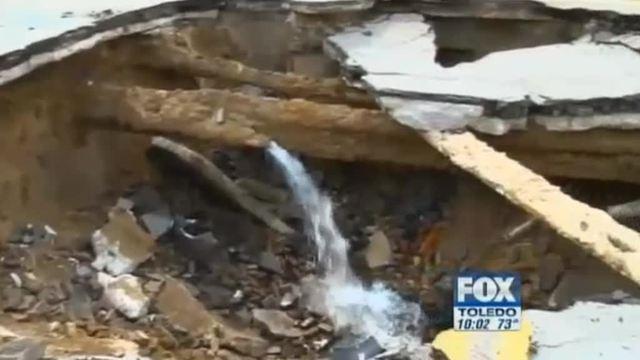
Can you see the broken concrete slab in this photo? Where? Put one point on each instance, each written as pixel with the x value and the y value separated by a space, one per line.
pixel 496 89
pixel 378 253
pixel 121 244
pixel 40 32
pixel 586 330
pixel 622 7
pixel 124 293
pixel 329 6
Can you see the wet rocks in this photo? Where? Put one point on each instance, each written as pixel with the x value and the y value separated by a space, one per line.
pixel 124 293
pixel 121 244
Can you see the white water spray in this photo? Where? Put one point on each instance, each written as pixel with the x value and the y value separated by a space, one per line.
pixel 375 311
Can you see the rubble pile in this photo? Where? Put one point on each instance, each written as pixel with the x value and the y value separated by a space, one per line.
pixel 180 271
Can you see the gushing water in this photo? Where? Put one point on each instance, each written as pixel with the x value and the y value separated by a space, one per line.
pixel 375 311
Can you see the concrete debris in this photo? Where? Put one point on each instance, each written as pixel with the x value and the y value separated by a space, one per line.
pixel 124 293
pixel 268 261
pixel 622 7
pixel 157 223
pixel 329 6
pixel 279 323
pixel 46 36
pixel 493 93
pixel 216 296
pixel 121 244
pixel 22 349
pixel 586 330
pixel 378 253
pixel 183 310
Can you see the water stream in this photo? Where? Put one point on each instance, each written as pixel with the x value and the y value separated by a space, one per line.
pixel 368 311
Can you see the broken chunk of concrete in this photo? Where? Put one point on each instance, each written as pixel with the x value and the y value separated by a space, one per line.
pixel 183 310
pixel 121 244
pixel 124 293
pixel 278 323
pixel 586 331
pixel 378 253
pixel 157 223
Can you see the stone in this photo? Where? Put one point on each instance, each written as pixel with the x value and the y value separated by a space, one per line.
pixel 22 349
pixel 278 323
pixel 550 270
pixel 121 245
pixel 586 330
pixel 157 223
pixel 490 91
pixel 79 306
pixel 12 298
pixel 124 293
pixel 183 310
pixel 379 252
pixel 268 261
pixel 215 296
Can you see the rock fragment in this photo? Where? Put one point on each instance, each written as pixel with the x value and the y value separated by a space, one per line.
pixel 278 323
pixel 363 349
pixel 183 310
pixel 121 244
pixel 125 294
pixel 379 252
